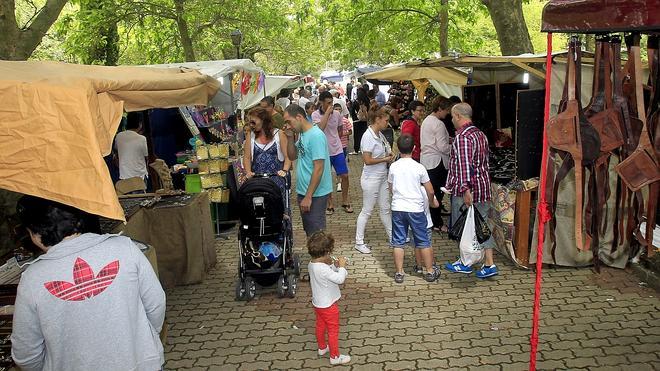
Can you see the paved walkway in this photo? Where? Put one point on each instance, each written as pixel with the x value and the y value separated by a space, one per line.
pixel 606 321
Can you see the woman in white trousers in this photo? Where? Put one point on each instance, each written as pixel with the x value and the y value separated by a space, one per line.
pixel 377 155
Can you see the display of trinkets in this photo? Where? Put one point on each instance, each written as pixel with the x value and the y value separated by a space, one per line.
pixel 214 180
pixel 502 163
pixel 219 195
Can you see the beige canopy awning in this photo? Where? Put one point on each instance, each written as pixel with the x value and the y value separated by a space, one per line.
pixel 58 120
pixel 409 71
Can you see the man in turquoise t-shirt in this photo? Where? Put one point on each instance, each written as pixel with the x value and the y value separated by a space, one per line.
pixel 314 180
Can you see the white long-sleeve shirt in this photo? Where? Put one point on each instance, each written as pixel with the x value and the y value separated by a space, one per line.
pixel 325 280
pixel 434 140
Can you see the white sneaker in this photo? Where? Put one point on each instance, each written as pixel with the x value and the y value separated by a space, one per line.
pixel 338 187
pixel 325 351
pixel 341 360
pixel 363 249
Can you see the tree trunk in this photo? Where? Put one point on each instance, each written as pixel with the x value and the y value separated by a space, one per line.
pixel 18 44
pixel 104 48
pixel 443 19
pixel 184 32
pixel 509 22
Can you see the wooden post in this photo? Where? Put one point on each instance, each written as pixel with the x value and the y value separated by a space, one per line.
pixel 521 223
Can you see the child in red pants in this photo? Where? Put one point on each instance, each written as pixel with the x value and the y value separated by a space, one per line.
pixel 325 278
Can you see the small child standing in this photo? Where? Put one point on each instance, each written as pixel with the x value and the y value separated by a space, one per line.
pixel 419 260
pixel 406 178
pixel 325 278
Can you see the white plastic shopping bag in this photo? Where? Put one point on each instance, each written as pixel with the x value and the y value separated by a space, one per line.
pixel 471 250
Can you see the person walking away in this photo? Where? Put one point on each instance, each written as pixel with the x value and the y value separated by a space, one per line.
pixel 304 97
pixel 265 149
pixel 90 302
pixel 268 103
pixel 380 97
pixel 435 153
pixel 405 178
pixel 411 126
pixel 313 176
pixel 283 100
pixel 132 150
pixel 361 107
pixel 469 181
pixel 325 276
pixel 346 132
pixel 330 122
pixel 377 155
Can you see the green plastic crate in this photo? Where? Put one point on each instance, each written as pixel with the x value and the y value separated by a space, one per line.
pixel 193 183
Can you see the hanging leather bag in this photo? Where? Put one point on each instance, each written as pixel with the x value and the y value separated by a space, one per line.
pixel 640 168
pixel 571 132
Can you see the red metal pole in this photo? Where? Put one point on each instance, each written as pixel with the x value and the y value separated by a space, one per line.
pixel 543 213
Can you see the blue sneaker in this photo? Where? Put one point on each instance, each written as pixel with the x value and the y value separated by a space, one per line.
pixel 486 272
pixel 458 268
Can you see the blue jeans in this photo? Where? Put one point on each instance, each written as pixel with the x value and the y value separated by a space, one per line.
pixel 417 222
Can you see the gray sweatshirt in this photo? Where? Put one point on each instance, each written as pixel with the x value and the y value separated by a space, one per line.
pixel 90 303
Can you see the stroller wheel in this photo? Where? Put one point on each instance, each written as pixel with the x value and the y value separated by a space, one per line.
pixel 292 283
pixel 282 287
pixel 296 265
pixel 250 288
pixel 240 290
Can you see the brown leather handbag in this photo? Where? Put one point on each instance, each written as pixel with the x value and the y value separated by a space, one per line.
pixel 641 168
pixel 571 132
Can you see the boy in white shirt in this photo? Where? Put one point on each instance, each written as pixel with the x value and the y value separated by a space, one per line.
pixel 408 211
pixel 325 276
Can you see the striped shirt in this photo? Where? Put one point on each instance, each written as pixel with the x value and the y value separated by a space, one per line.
pixel 468 164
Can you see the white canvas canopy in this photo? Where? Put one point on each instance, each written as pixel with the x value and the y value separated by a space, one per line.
pixel 272 86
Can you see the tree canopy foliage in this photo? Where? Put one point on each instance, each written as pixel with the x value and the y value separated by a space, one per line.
pixel 283 36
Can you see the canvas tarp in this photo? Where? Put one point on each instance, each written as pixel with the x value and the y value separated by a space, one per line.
pixel 58 120
pixel 272 86
pixel 410 72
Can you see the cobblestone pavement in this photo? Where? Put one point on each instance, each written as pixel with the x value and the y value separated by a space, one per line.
pixel 594 321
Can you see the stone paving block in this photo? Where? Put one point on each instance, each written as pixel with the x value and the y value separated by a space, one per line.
pixel 389 325
pixel 400 365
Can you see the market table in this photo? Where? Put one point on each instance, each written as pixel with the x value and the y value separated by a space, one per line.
pixel 179 228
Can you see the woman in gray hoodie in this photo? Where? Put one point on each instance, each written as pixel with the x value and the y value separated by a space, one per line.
pixel 90 302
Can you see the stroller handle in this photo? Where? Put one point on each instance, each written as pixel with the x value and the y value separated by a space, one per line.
pixel 287 177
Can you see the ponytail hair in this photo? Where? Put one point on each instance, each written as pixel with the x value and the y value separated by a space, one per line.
pixel 377 113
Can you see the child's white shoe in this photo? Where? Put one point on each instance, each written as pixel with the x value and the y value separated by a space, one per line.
pixel 325 351
pixel 341 360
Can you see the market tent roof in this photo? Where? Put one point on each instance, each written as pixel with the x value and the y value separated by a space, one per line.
pixel 58 120
pixel 408 71
pixel 272 86
pixel 215 69
pixel 593 16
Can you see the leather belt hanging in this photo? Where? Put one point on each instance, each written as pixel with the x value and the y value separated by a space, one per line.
pixel 571 132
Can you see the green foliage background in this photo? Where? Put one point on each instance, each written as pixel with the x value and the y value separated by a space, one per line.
pixel 289 36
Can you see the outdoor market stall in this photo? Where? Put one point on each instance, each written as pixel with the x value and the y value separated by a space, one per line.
pixel 626 159
pixel 506 94
pixel 59 120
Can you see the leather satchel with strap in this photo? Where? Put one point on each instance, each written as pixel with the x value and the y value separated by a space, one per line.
pixel 607 122
pixel 641 168
pixel 571 132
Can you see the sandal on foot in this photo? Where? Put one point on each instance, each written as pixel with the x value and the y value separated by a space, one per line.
pixel 347 208
pixel 330 211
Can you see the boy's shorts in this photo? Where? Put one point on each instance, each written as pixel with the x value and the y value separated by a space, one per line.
pixel 339 164
pixel 417 222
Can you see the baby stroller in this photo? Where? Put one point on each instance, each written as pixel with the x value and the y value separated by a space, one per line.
pixel 265 239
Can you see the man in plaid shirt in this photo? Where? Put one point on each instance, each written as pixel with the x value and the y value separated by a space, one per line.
pixel 469 181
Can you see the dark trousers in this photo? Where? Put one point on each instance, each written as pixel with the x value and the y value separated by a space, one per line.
pixel 438 176
pixel 359 128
